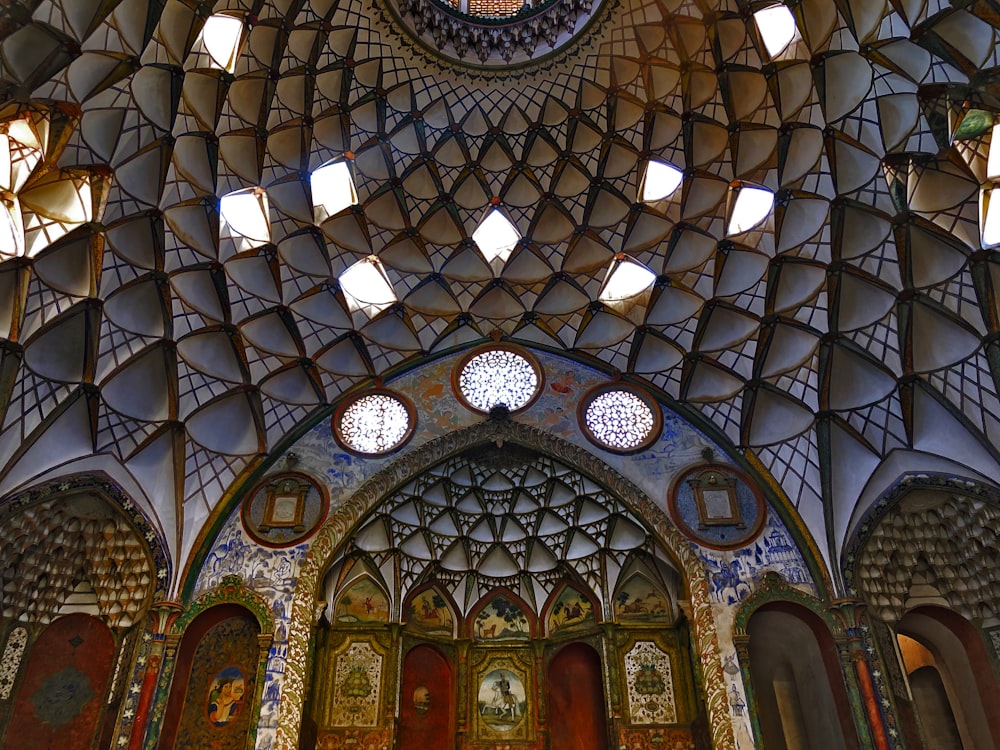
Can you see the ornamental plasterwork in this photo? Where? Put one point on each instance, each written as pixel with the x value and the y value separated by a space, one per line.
pixel 650 684
pixel 357 685
pixel 10 662
pixel 930 540
pixel 364 498
pixel 495 41
pixel 76 543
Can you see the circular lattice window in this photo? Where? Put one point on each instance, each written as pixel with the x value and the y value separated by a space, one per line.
pixel 374 422
pixel 500 376
pixel 620 418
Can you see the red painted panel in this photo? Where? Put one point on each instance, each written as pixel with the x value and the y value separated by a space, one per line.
pixel 60 701
pixel 427 701
pixel 577 716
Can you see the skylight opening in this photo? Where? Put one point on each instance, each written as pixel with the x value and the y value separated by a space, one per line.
pixel 221 37
pixel 627 278
pixel 749 208
pixel 245 218
pixel 496 236
pixel 20 152
pixel 993 161
pixel 332 190
pixel 367 287
pixel 989 211
pixel 11 230
pixel 776 26
pixel 660 181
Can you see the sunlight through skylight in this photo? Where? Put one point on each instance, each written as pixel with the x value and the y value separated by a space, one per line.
pixel 626 278
pixel 989 210
pixel 776 25
pixel 365 284
pixel 221 36
pixel 660 181
pixel 750 207
pixel 332 189
pixel 496 236
pixel 993 162
pixel 245 216
pixel 374 423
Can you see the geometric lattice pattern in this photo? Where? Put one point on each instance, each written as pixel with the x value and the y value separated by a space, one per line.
pixel 502 517
pixel 73 554
pixel 860 318
pixel 934 544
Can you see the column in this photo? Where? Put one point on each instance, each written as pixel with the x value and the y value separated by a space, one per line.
pixel 162 617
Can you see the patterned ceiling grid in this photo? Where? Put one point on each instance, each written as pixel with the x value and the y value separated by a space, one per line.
pixel 506 517
pixel 859 319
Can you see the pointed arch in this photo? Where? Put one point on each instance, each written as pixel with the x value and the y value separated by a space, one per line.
pixel 347 516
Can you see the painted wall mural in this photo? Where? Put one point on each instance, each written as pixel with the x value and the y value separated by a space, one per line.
pixel 650 682
pixel 501 619
pixel 571 611
pixel 216 714
pixel 638 600
pixel 501 701
pixel 364 602
pixel 357 685
pixel 430 613
pixel 271 573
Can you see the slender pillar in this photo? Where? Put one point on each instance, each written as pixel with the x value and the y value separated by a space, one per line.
pixel 162 617
pixel 855 659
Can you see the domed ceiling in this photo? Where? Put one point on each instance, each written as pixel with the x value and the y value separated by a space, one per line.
pixel 857 324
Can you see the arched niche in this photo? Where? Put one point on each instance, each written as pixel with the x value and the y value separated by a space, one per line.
pixel 427 705
pixel 955 692
pixel 576 702
pixel 214 696
pixel 75 548
pixel 924 562
pixel 794 670
pixel 457 531
pixel 62 697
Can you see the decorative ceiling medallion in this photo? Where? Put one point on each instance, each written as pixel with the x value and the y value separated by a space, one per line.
pixel 495 33
pixel 284 509
pixel 374 423
pixel 620 418
pixel 717 506
pixel 498 376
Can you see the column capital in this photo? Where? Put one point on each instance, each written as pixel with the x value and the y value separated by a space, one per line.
pixel 163 614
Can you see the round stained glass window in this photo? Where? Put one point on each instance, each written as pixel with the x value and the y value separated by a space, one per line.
pixel 498 376
pixel 620 419
pixel 374 422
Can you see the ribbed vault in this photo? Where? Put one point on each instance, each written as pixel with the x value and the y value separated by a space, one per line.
pixel 859 319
